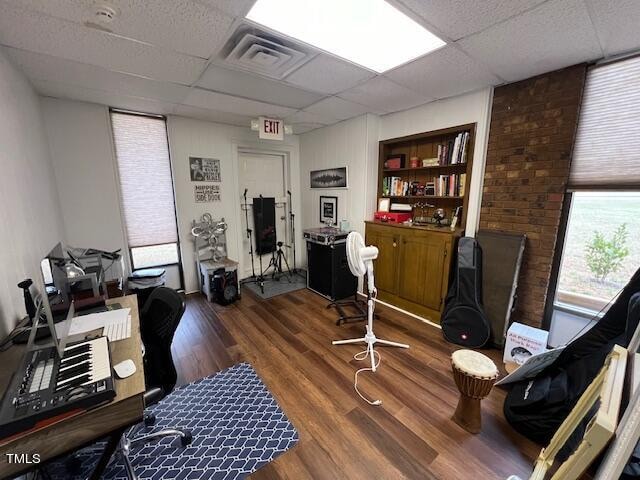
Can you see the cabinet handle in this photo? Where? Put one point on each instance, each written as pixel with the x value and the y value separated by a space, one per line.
pixel 394 244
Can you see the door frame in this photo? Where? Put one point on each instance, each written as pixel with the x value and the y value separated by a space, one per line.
pixel 286 152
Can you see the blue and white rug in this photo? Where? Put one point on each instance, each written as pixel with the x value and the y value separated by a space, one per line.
pixel 236 423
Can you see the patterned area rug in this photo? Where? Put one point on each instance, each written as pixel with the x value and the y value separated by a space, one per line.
pixel 236 423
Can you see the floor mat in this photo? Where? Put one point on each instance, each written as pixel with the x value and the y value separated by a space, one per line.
pixel 236 423
pixel 274 288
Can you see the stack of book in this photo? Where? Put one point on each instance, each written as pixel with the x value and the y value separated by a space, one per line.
pixel 454 151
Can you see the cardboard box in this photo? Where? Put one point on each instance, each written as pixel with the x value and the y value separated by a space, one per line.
pixel 523 342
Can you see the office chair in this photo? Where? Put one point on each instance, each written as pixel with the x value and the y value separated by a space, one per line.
pixel 159 320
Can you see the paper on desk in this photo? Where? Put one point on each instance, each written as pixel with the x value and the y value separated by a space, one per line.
pixel 94 321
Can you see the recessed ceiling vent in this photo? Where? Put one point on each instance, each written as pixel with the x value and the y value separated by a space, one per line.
pixel 260 52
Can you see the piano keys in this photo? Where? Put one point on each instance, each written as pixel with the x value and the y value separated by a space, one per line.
pixel 46 386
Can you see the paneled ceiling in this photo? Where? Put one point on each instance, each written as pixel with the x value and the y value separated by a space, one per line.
pixel 175 56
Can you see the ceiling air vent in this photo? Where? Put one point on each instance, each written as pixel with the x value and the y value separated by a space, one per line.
pixel 259 52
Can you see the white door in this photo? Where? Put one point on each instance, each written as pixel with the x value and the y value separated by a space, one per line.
pixel 263 174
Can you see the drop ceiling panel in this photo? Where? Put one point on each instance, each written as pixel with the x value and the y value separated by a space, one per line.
pixel 254 87
pixel 302 117
pixel 459 18
pixel 384 96
pixel 29 30
pixel 328 75
pixel 443 73
pixel 180 25
pixel 617 24
pixel 555 35
pixel 213 115
pixel 72 92
pixel 54 69
pixel 337 108
pixel 227 103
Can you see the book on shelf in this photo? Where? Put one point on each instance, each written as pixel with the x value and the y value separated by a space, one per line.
pixel 451 185
pixel 454 151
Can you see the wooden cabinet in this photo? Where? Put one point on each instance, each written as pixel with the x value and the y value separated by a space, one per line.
pixel 413 266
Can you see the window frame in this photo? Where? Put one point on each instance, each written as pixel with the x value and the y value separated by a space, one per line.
pixel 178 264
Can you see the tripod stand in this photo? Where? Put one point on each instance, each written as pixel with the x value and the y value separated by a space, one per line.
pixel 276 262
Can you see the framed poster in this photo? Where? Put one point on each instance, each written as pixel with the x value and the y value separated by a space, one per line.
pixel 204 169
pixel 329 178
pixel 329 210
pixel 207 193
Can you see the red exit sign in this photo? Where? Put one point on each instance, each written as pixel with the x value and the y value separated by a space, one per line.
pixel 271 128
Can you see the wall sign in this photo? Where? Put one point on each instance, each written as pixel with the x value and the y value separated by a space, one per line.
pixel 270 128
pixel 204 169
pixel 207 193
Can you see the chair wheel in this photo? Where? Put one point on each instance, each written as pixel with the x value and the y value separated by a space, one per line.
pixel 73 464
pixel 149 420
pixel 186 439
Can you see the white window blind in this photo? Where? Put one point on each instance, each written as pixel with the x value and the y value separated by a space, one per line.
pixel 607 150
pixel 146 186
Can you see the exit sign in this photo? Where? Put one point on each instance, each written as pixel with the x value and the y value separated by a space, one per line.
pixel 270 128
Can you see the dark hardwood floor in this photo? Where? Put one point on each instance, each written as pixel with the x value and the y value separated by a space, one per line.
pixel 288 341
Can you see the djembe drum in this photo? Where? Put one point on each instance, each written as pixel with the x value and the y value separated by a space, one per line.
pixel 474 374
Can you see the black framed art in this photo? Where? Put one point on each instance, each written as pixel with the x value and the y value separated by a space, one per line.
pixel 329 210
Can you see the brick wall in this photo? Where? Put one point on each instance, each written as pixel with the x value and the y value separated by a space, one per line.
pixel 533 124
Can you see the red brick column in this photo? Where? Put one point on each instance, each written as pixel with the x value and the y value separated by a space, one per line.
pixel 531 137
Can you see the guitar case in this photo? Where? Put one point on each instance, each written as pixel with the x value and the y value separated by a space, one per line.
pixel 463 320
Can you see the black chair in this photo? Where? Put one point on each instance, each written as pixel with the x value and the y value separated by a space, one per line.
pixel 159 319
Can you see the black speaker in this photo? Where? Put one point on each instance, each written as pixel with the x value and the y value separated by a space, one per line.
pixel 225 286
pixel 264 223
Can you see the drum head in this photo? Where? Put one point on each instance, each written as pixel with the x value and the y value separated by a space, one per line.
pixel 474 363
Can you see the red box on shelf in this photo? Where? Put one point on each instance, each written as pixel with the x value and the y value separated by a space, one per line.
pixel 392 217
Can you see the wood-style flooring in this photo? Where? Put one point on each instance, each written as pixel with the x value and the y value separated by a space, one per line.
pixel 287 339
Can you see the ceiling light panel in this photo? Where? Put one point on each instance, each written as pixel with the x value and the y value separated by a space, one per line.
pixel 370 33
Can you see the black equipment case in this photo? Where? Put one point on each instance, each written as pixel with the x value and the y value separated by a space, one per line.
pixel 536 407
pixel 463 319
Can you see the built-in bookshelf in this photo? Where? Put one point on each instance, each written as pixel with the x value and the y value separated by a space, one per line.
pixel 430 169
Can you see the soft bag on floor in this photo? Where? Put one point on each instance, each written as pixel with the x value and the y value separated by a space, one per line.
pixel 463 320
pixel 536 407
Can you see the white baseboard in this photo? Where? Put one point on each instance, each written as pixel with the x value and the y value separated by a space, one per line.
pixel 413 315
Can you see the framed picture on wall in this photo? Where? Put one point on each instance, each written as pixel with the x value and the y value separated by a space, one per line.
pixel 329 178
pixel 329 210
pixel 204 169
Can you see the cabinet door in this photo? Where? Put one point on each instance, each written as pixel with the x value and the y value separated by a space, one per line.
pixel 385 266
pixel 421 269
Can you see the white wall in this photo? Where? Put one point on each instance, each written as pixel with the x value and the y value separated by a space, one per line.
pixel 188 137
pixel 474 107
pixel 82 154
pixel 30 219
pixel 351 143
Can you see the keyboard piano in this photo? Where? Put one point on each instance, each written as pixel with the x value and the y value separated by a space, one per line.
pixel 46 386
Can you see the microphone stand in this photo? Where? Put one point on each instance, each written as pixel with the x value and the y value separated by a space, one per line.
pixel 292 219
pixel 249 233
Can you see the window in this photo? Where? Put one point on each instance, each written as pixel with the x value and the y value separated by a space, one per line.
pixel 146 188
pixel 600 250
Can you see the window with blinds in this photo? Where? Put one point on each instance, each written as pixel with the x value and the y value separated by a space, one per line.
pixel 607 149
pixel 146 188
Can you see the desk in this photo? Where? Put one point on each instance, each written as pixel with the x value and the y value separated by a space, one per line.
pixel 83 429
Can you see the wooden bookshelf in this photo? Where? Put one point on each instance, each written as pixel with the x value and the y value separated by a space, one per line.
pixel 425 145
